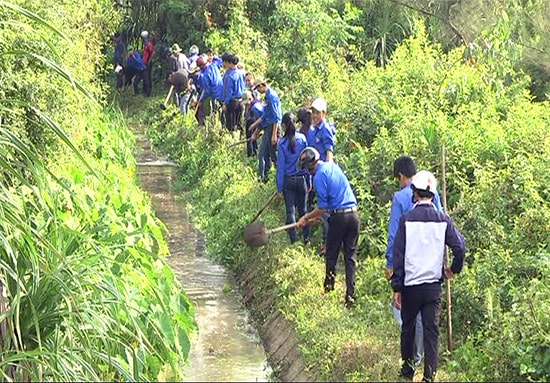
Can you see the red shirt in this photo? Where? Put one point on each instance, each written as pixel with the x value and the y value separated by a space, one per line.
pixel 148 52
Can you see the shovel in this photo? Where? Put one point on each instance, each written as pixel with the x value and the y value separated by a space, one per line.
pixel 257 235
pixel 163 105
pixel 238 143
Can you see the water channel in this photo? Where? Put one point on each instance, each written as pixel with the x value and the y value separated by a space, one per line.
pixel 227 348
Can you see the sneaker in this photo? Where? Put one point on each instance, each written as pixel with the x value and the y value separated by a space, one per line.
pixel 407 369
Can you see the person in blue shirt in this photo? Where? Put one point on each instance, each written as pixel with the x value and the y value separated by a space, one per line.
pixel 211 85
pixel 292 183
pixel 254 109
pixel 269 123
pixel 323 137
pixel 134 68
pixel 234 86
pixel 404 169
pixel 334 195
pixel 419 269
pixel 213 59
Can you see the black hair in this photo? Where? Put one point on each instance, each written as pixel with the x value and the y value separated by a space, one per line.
pixel 117 34
pixel 234 59
pixel 404 165
pixel 290 131
pixel 226 57
pixel 209 50
pixel 304 116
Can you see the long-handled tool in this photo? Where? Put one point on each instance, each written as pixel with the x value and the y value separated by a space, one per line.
pixel 257 235
pixel 239 143
pixel 265 206
pixel 163 105
pixel 446 260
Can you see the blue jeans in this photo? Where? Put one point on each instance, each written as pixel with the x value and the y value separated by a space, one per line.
pixel 419 334
pixel 267 153
pixel 295 193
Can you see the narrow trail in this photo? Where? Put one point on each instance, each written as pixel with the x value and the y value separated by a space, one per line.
pixel 227 348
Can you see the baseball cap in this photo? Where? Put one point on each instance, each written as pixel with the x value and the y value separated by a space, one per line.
pixel 319 105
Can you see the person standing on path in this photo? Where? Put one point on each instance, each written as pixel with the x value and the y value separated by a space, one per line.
pixel 292 184
pixel 119 61
pixel 254 109
pixel 148 54
pixel 404 169
pixel 233 90
pixel 335 196
pixel 269 122
pixel 134 68
pixel 418 271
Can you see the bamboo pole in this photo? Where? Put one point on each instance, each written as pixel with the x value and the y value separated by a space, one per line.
pixel 446 259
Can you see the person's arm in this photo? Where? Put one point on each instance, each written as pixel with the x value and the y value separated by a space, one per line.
pixel 328 142
pixel 256 124
pixel 455 241
pixel 274 134
pixel 398 276
pixel 395 214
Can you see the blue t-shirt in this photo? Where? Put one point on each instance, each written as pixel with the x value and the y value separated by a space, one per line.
pixel 323 139
pixel 256 110
pixel 273 113
pixel 234 84
pixel 211 82
pixel 135 61
pixel 286 160
pixel 402 202
pixel 332 187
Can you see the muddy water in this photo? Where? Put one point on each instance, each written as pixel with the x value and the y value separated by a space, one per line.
pixel 227 347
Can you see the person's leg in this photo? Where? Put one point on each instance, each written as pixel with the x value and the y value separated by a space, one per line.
pixel 289 192
pixel 262 173
pixel 300 202
pixel 268 154
pixel 411 301
pixel 419 340
pixel 335 236
pixel 350 239
pixel 147 80
pixel 430 321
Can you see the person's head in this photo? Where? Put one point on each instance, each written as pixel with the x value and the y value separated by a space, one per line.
pixel 261 85
pixel 248 98
pixel 308 160
pixel 176 50
pixel 210 54
pixel 193 50
pixel 144 35
pixel 130 49
pixel 202 60
pixel 424 186
pixel 289 127
pixel 117 37
pixel 250 79
pixel 304 117
pixel 404 169
pixel 318 110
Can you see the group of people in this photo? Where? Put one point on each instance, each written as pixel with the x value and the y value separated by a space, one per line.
pixel 131 66
pixel 301 147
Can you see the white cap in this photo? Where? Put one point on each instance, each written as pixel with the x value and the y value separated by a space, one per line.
pixel 319 104
pixel 144 34
pixel 424 180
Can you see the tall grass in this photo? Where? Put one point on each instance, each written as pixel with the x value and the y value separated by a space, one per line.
pixel 86 295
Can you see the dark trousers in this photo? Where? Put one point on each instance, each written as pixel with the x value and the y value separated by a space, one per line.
pixel 295 193
pixel 147 80
pixel 425 299
pixel 251 146
pixel 134 76
pixel 268 153
pixel 203 111
pixel 233 114
pixel 343 230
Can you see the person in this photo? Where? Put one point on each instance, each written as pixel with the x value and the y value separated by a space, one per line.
pixel 269 123
pixel 179 80
pixel 418 271
pixel 134 68
pixel 254 109
pixel 181 61
pixel 250 83
pixel 306 128
pixel 335 196
pixel 213 59
pixel 193 54
pixel 233 91
pixel 195 83
pixel 211 86
pixel 292 184
pixel 148 53
pixel 322 139
pixel 404 169
pixel 119 61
